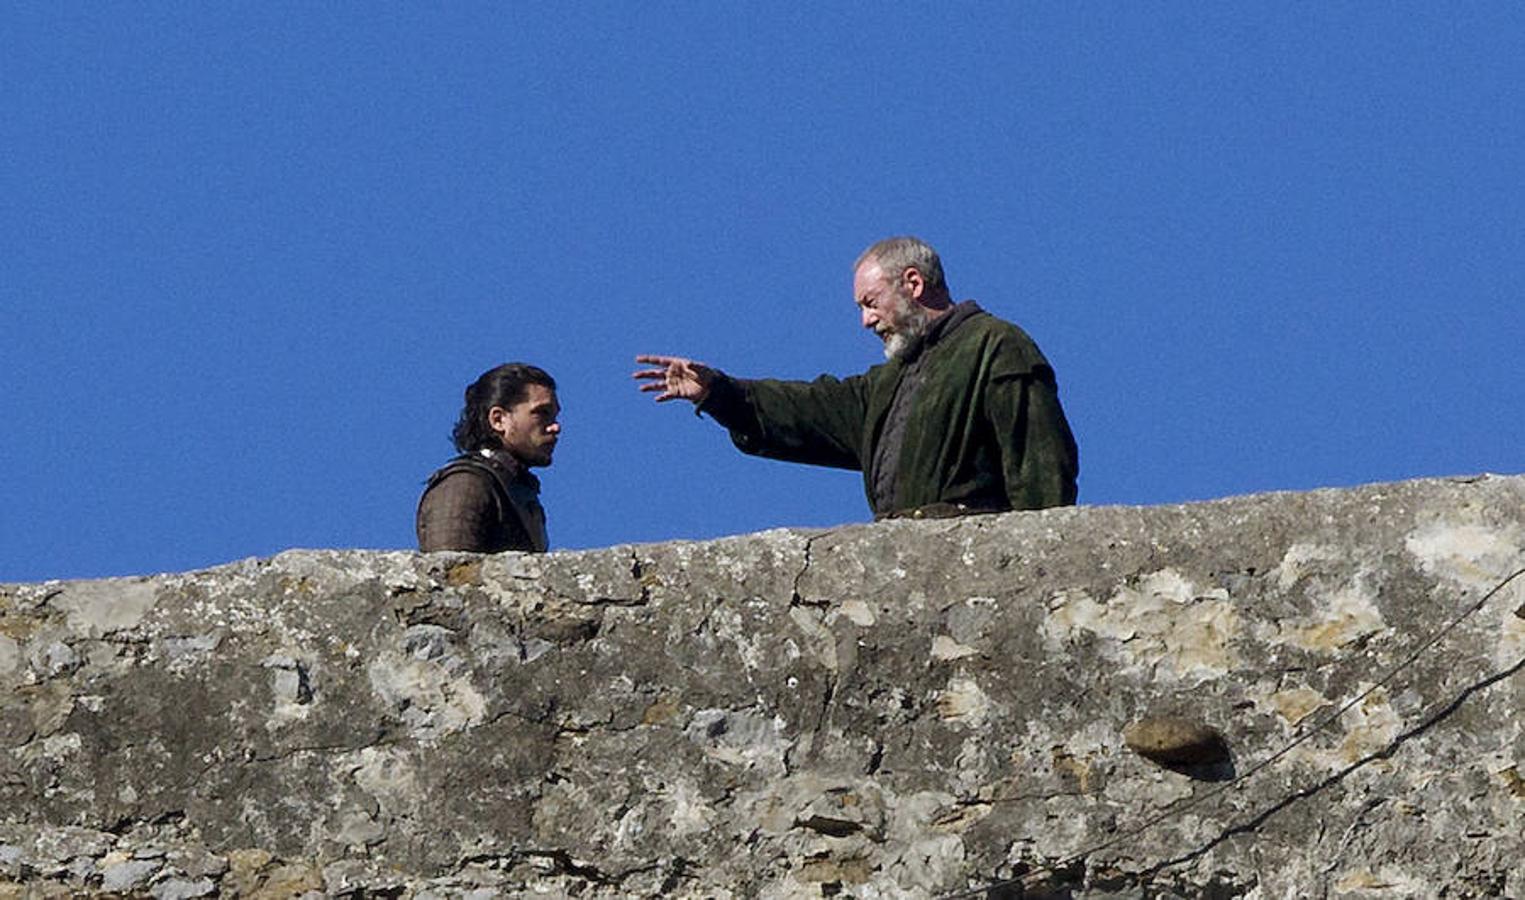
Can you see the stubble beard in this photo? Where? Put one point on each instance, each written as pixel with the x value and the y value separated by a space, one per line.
pixel 541 456
pixel 535 456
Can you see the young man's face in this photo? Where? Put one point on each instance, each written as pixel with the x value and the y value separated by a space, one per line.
pixel 529 429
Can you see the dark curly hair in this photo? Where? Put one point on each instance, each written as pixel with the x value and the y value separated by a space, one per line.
pixel 503 386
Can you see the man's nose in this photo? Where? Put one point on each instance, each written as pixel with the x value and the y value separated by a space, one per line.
pixel 870 318
pixel 553 428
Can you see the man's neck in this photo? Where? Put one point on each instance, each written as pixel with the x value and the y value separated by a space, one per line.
pixel 936 307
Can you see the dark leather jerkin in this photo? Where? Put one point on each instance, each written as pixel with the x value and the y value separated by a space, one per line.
pixel 516 526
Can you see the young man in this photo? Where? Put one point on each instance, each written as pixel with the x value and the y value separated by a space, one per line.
pixel 486 500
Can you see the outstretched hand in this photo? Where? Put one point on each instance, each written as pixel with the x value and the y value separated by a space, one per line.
pixel 676 378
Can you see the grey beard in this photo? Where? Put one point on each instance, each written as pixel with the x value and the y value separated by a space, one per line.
pixel 909 326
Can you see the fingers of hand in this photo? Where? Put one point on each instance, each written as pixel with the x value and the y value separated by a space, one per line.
pixel 676 379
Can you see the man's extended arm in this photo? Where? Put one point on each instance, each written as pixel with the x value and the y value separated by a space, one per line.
pixel 818 422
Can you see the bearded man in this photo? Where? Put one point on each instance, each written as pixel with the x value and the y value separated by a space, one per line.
pixel 963 417
pixel 486 500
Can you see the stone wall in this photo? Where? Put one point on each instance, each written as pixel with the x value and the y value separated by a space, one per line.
pixel 1327 684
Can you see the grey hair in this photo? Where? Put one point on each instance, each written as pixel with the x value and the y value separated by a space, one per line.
pixel 895 255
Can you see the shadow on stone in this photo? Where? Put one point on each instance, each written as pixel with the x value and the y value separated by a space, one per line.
pixel 1186 746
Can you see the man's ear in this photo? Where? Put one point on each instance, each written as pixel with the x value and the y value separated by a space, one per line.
pixel 497 419
pixel 912 282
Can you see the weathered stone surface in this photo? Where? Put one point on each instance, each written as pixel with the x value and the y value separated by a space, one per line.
pixel 900 709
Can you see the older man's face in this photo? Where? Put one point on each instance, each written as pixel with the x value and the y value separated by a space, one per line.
pixel 887 308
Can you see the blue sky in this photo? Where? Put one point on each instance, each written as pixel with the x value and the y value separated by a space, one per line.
pixel 250 254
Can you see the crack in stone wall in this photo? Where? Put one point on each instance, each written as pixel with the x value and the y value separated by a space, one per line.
pixel 898 709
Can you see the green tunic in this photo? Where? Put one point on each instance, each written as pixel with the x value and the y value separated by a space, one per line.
pixel 984 430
